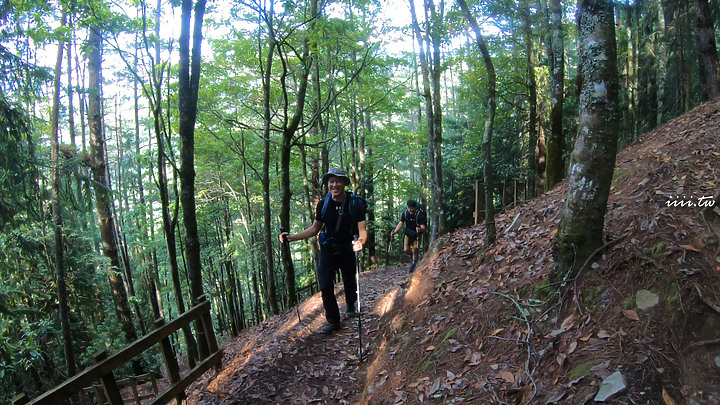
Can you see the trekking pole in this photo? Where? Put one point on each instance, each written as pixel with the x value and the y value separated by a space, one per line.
pixel 359 308
pixel 286 248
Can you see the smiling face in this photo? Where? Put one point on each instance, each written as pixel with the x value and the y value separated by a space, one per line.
pixel 336 185
pixel 411 209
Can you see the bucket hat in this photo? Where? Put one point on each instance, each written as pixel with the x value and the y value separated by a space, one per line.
pixel 335 172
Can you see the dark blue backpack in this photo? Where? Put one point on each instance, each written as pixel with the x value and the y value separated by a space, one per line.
pixel 358 205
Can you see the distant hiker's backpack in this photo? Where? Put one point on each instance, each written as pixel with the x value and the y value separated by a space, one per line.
pixel 419 216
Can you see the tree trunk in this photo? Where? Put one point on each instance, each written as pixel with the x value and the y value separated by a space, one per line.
pixel 103 203
pixel 490 229
pixel 532 101
pixel 188 86
pixel 436 30
pixel 269 285
pixel 432 211
pixel 593 160
pixel 661 62
pixel 555 168
pixel 290 127
pixel 60 270
pixel 705 33
pixel 169 220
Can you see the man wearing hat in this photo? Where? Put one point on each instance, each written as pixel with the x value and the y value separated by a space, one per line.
pixel 340 222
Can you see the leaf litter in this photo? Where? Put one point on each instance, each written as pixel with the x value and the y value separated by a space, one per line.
pixel 479 325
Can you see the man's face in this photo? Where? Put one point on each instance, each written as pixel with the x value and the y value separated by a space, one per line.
pixel 412 209
pixel 336 185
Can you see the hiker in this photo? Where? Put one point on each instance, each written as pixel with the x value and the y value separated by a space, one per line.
pixel 415 222
pixel 342 215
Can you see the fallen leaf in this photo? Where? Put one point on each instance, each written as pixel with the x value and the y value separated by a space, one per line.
pixel 691 248
pixel 382 381
pixel 430 348
pixel 508 377
pixel 603 334
pixel 568 322
pixel 630 314
pixel 572 347
pixel 667 398
pixel 496 331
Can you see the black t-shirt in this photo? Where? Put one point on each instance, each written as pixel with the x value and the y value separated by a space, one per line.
pixel 348 225
pixel 413 220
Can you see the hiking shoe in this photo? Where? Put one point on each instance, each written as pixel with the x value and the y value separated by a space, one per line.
pixel 330 328
pixel 412 267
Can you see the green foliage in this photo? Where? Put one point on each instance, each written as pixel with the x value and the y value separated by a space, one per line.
pixel 379 106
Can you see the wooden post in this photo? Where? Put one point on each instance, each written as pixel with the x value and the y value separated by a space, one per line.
pixel 112 392
pixel 479 201
pixel 209 334
pixel 171 363
pixel 153 382
pixel 133 387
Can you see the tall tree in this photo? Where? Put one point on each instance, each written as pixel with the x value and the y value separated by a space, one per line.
pixel 103 202
pixel 266 73
pixel 532 100
pixel 593 160
pixel 555 167
pixel 60 270
pixel 435 28
pixel 427 96
pixel 188 85
pixel 291 123
pixel 490 229
pixel 661 61
pixel 169 219
pixel 705 33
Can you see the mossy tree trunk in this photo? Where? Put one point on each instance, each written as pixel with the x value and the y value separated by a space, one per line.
pixel 593 160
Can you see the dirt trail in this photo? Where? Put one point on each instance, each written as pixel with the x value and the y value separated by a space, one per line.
pixel 478 325
pixel 283 361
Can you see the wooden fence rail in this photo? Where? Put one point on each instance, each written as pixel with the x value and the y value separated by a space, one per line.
pixel 103 370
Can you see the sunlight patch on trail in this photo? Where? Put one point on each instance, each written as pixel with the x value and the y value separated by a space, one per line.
pixel 386 303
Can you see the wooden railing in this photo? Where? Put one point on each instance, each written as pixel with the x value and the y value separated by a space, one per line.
pixel 103 370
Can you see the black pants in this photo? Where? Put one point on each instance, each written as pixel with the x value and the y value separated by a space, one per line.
pixel 330 262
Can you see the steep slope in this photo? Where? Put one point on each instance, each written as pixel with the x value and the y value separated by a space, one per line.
pixel 478 325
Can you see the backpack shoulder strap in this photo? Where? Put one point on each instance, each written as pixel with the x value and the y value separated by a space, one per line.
pixel 325 206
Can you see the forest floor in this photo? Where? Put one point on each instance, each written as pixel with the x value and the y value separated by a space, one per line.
pixel 478 325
